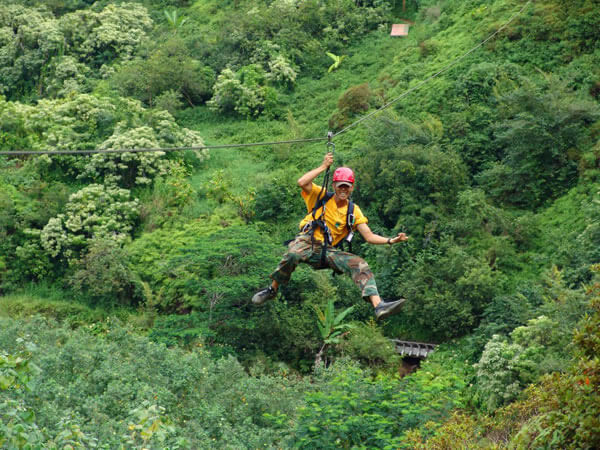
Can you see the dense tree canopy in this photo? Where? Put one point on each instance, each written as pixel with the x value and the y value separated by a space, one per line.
pixel 126 278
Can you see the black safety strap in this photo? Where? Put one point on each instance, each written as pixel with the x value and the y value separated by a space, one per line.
pixel 319 222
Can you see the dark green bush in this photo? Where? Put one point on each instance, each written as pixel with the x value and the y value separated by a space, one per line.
pixel 542 135
pixel 355 100
pixel 367 344
pixel 448 290
pixel 168 66
pixel 351 408
pixel 103 273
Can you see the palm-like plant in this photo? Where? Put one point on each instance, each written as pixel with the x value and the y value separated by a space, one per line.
pixel 331 327
pixel 175 20
pixel 337 60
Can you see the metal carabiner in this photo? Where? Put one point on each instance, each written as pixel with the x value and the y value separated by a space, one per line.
pixel 330 142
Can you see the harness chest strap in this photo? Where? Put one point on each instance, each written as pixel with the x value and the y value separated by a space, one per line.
pixel 320 223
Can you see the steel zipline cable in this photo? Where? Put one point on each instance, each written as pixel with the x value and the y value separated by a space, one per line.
pixel 330 136
pixel 157 149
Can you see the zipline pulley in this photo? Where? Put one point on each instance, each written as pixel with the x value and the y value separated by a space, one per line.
pixel 330 142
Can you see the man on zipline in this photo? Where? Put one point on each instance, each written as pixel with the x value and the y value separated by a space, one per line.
pixel 318 233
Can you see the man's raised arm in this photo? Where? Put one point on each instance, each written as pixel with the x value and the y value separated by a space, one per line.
pixel 306 180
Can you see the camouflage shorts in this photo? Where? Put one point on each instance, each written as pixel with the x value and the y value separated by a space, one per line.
pixel 302 250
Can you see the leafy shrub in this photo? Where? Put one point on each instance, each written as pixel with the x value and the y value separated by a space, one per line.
pixel 542 135
pixel 103 273
pixel 17 426
pixel 86 121
pixel 505 313
pixel 128 168
pixel 560 410
pixel 170 101
pixel 277 197
pixel 281 71
pixel 94 212
pixel 353 409
pixel 506 368
pixel 350 409
pixel 28 39
pixel 367 344
pixel 355 100
pixel 243 92
pixel 169 66
pixel 100 37
pixel 22 255
pixel 66 76
pixel 140 168
pixel 302 32
pixel 576 217
pixel 423 175
pixel 220 188
pixel 498 373
pixel 200 263
pixel 168 199
pixel 53 50
pixel 448 290
pixel 181 330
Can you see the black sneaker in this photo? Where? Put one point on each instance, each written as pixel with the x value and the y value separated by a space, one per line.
pixel 386 309
pixel 263 295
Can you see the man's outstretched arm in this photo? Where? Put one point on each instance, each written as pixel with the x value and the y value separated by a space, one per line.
pixel 376 239
pixel 306 180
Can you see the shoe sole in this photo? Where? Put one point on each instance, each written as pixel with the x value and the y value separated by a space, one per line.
pixel 259 301
pixel 392 311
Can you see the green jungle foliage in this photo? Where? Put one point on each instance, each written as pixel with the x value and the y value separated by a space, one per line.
pixel 126 278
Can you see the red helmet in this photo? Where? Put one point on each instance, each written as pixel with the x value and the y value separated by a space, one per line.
pixel 343 174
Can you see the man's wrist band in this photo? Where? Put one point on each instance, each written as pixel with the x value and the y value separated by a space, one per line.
pixel 389 241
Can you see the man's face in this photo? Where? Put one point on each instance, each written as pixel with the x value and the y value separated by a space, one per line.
pixel 343 189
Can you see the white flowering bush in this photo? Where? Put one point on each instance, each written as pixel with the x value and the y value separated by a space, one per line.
pixel 497 373
pixel 34 41
pixel 281 71
pixel 128 167
pixel 66 76
pixel 86 121
pixel 28 39
pixel 115 32
pixel 94 212
pixel 140 168
pixel 227 92
pixel 72 123
pixel 506 368
pixel 244 92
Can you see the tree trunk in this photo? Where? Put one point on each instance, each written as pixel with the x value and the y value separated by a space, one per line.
pixel 319 356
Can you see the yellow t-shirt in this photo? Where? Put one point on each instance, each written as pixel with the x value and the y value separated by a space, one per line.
pixel 335 217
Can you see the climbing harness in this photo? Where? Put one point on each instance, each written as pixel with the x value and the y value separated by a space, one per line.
pixel 350 219
pixel 319 222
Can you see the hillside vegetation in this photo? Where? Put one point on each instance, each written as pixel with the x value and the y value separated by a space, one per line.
pixel 126 278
